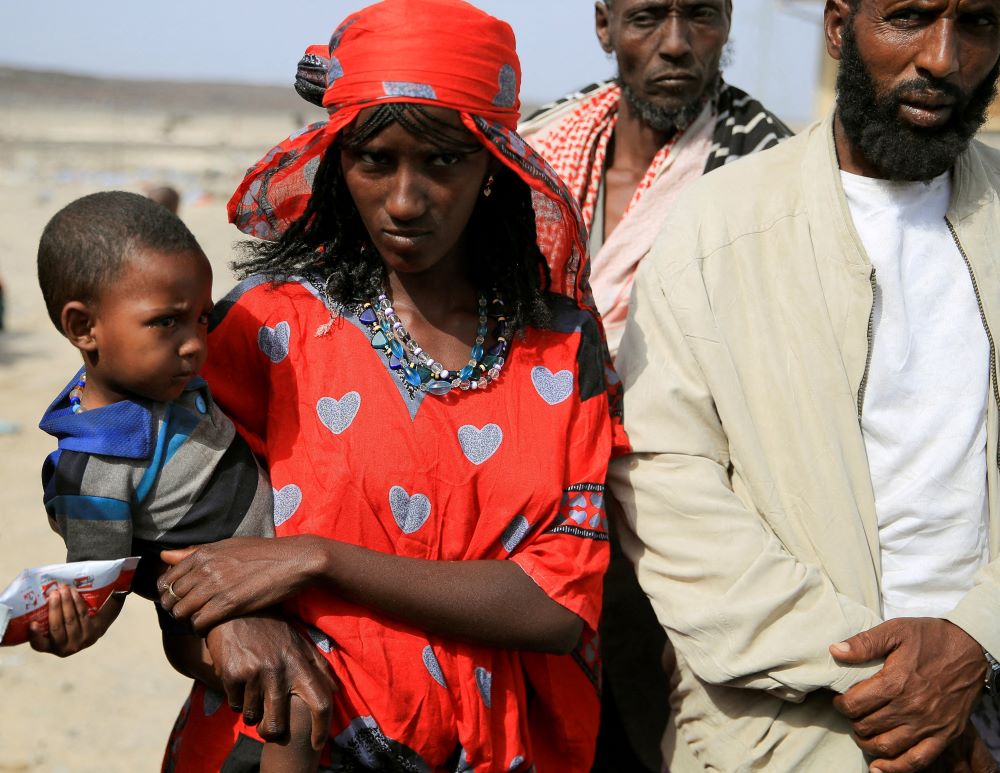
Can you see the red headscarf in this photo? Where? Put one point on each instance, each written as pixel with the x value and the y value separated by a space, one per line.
pixel 443 53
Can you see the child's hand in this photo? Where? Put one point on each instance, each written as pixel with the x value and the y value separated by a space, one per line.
pixel 73 626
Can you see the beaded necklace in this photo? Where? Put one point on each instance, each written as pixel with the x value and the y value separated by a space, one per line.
pixel 76 394
pixel 416 369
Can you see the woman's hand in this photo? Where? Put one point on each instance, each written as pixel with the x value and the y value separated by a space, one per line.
pixel 73 626
pixel 227 579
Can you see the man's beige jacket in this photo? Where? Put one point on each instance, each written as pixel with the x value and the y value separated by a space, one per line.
pixel 748 496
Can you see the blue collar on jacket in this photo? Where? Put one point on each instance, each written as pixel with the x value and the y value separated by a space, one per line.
pixel 126 428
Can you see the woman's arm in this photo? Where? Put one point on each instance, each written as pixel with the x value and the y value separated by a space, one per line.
pixel 488 602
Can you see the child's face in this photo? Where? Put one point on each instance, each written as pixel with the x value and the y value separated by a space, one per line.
pixel 150 328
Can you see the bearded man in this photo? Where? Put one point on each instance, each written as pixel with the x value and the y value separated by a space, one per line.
pixel 813 502
pixel 627 147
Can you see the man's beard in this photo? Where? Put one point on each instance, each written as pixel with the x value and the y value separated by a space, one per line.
pixel 671 120
pixel 899 150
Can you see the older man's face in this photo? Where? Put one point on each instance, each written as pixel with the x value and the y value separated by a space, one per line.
pixel 668 51
pixel 916 78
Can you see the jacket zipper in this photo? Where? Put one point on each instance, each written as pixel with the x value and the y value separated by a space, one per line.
pixel 868 355
pixel 982 316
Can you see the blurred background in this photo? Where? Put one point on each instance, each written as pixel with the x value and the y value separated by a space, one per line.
pixel 129 95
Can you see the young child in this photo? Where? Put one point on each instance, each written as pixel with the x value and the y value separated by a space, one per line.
pixel 145 461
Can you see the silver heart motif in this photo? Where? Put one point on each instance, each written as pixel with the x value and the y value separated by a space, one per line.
pixel 410 512
pixel 212 701
pixel 515 763
pixel 515 532
pixel 484 681
pixel 273 341
pixel 507 81
pixel 323 642
pixel 432 666
pixel 478 445
pixel 553 388
pixel 338 415
pixel 286 501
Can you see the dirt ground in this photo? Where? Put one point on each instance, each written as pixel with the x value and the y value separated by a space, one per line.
pixel 109 708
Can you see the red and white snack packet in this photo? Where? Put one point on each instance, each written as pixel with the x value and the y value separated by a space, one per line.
pixel 24 601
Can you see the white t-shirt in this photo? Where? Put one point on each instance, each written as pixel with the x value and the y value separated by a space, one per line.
pixel 924 411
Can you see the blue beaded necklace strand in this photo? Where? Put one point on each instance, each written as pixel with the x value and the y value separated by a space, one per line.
pixel 420 372
pixel 76 394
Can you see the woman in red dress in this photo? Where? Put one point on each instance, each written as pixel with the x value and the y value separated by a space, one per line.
pixel 415 356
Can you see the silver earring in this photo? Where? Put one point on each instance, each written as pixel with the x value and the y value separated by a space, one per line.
pixel 488 190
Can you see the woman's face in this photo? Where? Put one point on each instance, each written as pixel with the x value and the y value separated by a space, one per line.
pixel 415 198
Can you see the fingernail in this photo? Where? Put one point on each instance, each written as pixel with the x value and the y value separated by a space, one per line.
pixel 844 647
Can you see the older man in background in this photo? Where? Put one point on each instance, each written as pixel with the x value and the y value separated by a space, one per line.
pixel 810 371
pixel 627 148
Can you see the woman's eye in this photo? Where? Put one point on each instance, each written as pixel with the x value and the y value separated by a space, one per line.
pixel 372 157
pixel 445 159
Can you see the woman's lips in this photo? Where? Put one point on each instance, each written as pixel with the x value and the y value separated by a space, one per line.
pixel 404 238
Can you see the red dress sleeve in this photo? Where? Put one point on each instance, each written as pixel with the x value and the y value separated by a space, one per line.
pixel 251 333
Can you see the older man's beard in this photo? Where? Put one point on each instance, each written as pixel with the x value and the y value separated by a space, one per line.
pixel 671 120
pixel 899 150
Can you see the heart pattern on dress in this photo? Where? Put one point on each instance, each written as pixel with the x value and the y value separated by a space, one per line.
pixel 286 501
pixel 338 415
pixel 323 642
pixel 212 701
pixel 515 532
pixel 432 666
pixel 410 512
pixel 478 445
pixel 484 681
pixel 273 341
pixel 507 83
pixel 553 388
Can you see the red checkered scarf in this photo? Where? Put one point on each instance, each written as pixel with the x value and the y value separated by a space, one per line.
pixel 577 148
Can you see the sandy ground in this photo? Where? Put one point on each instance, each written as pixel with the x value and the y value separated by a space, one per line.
pixel 109 708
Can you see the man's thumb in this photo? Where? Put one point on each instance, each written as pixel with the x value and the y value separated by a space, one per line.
pixel 868 645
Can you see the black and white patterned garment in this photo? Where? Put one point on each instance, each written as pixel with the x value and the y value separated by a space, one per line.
pixel 742 126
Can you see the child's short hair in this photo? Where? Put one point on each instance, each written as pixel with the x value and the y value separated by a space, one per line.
pixel 86 243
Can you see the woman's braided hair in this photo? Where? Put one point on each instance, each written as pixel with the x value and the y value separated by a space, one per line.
pixel 329 241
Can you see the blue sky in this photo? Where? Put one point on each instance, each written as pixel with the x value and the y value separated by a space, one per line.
pixel 776 50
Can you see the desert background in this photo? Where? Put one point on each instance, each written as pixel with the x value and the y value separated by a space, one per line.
pixel 111 707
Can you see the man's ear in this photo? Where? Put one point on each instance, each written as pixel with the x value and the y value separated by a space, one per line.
pixel 77 320
pixel 836 14
pixel 602 25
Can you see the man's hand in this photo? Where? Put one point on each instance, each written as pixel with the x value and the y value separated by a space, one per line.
pixel 261 661
pixel 919 703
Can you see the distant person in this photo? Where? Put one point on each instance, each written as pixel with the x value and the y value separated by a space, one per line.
pixel 627 148
pixel 165 196
pixel 146 460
